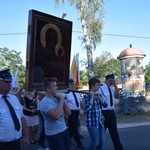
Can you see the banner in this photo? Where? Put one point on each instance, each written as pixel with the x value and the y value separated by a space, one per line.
pixel 74 71
pixel 73 68
pixel 15 79
pixel 77 71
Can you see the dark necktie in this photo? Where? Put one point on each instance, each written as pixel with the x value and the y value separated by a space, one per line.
pixel 13 114
pixel 77 104
pixel 110 94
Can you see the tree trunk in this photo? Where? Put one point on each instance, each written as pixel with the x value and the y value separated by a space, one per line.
pixel 88 50
pixel 87 42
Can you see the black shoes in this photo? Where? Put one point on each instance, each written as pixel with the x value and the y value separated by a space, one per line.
pixel 81 136
pixel 81 147
pixel 71 143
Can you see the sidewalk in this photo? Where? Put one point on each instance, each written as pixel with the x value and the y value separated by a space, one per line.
pixel 134 124
pixel 124 125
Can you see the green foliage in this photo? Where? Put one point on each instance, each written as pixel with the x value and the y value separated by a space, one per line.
pixel 57 1
pixel 113 66
pixel 21 77
pixel 10 59
pixel 147 73
pixel 91 14
pixel 83 78
pixel 99 64
pixel 84 63
pixel 106 64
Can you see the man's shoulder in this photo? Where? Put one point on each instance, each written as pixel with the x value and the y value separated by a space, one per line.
pixel 12 96
pixel 43 103
pixel 78 94
pixel 102 88
pixel 102 85
pixel 69 95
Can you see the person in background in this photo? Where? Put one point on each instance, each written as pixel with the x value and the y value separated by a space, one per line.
pixel 93 116
pixel 74 101
pixel 12 121
pixel 108 90
pixel 41 129
pixel 31 116
pixel 16 91
pixel 53 108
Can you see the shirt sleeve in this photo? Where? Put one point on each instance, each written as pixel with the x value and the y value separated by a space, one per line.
pixel 79 97
pixel 99 91
pixel 88 105
pixel 45 106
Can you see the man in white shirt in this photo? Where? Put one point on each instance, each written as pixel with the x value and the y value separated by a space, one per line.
pixel 74 101
pixel 12 121
pixel 109 91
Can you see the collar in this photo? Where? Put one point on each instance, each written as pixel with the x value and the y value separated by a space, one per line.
pixel 2 95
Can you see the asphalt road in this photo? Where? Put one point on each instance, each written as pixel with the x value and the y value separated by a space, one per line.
pixel 132 138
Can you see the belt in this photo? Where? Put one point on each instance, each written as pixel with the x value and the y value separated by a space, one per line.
pixel 108 110
pixel 11 142
pixel 74 110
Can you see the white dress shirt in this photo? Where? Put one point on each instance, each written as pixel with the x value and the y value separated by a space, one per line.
pixel 104 92
pixel 71 101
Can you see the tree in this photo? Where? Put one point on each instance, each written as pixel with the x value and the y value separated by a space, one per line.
pixel 91 13
pixel 10 59
pixel 147 73
pixel 83 78
pixel 106 64
pixel 99 64
pixel 113 66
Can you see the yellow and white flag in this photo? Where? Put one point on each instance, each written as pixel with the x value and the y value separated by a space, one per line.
pixel 73 68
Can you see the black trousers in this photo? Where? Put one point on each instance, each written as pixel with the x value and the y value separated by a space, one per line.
pixel 42 135
pixel 73 126
pixel 13 145
pixel 111 124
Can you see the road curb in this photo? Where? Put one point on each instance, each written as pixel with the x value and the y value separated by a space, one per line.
pixel 123 125
pixel 127 125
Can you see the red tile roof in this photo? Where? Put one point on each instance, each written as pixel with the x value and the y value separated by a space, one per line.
pixel 131 52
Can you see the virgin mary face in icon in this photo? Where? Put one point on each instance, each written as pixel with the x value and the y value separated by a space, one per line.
pixel 53 52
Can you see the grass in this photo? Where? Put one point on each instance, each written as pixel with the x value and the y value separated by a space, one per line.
pixel 128 118
pixel 123 118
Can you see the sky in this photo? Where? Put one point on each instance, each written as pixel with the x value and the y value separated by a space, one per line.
pixel 125 22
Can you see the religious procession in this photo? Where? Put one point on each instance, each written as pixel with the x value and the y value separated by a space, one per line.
pixel 47 114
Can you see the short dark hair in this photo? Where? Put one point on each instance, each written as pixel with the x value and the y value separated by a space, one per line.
pixel 47 81
pixel 71 81
pixel 93 81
